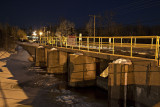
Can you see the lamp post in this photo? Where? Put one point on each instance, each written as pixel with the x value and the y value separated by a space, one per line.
pixel 40 33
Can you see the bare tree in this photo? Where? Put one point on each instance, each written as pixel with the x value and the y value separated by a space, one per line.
pixel 21 34
pixel 89 28
pixel 65 28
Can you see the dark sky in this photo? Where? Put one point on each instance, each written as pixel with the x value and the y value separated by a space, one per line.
pixel 40 12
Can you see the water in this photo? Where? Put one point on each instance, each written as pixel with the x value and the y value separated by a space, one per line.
pixel 51 90
pixel 54 90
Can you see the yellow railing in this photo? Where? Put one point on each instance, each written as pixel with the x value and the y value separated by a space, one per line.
pixel 87 43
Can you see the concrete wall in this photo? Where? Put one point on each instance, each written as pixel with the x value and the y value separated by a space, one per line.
pixel 81 69
pixel 57 62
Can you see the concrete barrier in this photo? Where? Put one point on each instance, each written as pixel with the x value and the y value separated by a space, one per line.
pixel 41 57
pixel 57 62
pixel 81 70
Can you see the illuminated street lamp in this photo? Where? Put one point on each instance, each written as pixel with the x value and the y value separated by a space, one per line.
pixel 40 33
pixel 34 33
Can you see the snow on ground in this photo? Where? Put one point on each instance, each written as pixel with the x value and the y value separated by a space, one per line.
pixel 9 96
pixel 21 85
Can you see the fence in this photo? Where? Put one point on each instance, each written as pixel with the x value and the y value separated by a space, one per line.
pixel 102 44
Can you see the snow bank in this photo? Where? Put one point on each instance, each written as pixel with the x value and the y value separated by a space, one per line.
pixel 122 61
pixel 53 49
pixel 40 47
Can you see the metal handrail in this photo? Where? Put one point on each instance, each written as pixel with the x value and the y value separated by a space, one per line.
pixel 100 42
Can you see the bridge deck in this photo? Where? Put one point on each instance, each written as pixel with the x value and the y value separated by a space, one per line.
pixel 132 47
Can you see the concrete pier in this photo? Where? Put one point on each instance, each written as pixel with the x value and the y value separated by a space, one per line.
pixel 81 70
pixel 41 57
pixel 118 81
pixel 57 61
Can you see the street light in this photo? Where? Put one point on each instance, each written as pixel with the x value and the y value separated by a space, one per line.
pixel 40 33
pixel 34 33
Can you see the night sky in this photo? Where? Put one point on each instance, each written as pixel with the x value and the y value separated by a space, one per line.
pixel 41 12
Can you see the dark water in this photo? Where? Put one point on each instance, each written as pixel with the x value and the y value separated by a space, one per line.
pixel 53 91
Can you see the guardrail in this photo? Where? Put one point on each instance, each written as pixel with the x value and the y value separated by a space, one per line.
pixel 102 43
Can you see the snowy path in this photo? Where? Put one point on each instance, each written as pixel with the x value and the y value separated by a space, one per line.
pixel 9 96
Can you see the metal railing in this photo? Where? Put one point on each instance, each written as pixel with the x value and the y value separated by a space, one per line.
pixel 112 43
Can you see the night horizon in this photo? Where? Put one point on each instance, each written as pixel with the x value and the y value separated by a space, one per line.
pixel 40 13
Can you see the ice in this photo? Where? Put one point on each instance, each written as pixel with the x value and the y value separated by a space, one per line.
pixel 69 99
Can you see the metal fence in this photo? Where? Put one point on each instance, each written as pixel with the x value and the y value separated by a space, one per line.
pixel 102 43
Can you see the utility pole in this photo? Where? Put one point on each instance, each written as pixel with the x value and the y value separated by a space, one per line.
pixel 94 16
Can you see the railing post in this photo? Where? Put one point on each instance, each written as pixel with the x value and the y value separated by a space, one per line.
pixel 40 40
pixel 152 43
pixel 61 41
pixel 52 41
pixel 113 46
pixel 66 42
pixel 131 46
pixel 46 41
pixel 76 40
pixel 121 42
pixel 99 45
pixel 88 43
pixel 79 44
pixel 135 41
pixel 56 41
pixel 157 48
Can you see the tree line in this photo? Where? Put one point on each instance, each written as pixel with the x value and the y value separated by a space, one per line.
pixel 106 26
pixel 9 36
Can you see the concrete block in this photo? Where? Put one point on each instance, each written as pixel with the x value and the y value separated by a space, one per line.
pixel 41 57
pixel 81 68
pixel 57 62
pixel 154 78
pixel 118 74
